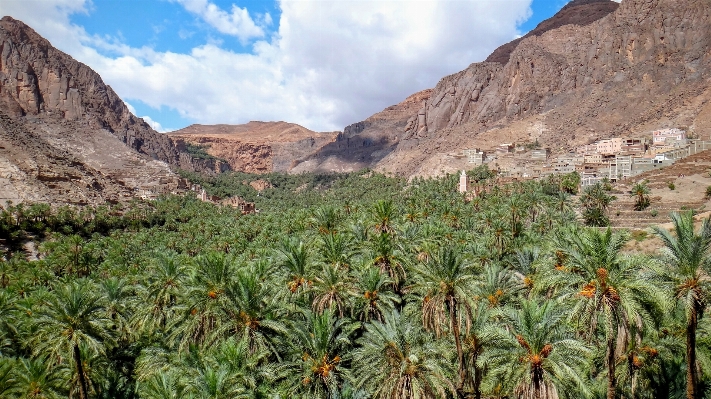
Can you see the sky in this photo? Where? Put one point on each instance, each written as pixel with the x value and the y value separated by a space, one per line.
pixel 323 64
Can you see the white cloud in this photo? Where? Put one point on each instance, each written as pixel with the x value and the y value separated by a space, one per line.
pixel 236 23
pixel 331 63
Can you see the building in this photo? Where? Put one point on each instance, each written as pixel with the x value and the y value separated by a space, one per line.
pixel 541 154
pixel 660 137
pixel 240 203
pixel 505 148
pixel 593 158
pixel 475 156
pixel 587 149
pixel 633 146
pixel 609 146
pixel 463 182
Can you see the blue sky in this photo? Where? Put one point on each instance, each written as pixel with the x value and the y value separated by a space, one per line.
pixel 323 64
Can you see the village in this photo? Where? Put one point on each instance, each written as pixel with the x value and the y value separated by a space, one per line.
pixel 614 159
pixel 184 186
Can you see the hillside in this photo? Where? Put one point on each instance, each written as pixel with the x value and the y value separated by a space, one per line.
pixel 597 69
pixel 257 147
pixel 66 137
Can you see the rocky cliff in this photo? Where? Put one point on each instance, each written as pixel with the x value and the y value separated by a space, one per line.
pixel 37 79
pixel 66 137
pixel 596 69
pixel 254 147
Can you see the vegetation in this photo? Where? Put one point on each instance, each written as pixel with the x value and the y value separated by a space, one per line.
pixel 352 286
pixel 640 192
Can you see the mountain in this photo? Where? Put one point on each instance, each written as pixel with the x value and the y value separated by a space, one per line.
pixel 255 147
pixel 66 137
pixel 596 69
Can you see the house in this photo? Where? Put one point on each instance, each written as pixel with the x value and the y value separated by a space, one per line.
pixel 475 156
pixel 609 146
pixel 541 154
pixel 660 137
pixel 239 203
pixel 505 148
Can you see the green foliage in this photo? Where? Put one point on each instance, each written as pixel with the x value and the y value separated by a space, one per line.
pixel 199 151
pixel 671 185
pixel 595 202
pixel 640 192
pixel 348 286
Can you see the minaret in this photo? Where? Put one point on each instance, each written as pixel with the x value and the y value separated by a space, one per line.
pixel 463 182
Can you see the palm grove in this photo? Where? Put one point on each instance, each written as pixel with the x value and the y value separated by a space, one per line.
pixel 352 286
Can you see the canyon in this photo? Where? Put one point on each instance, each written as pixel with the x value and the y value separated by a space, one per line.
pixel 596 69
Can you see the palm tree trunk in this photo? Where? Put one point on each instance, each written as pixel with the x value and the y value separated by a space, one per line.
pixel 611 378
pixel 83 386
pixel 478 375
pixel 457 341
pixel 692 377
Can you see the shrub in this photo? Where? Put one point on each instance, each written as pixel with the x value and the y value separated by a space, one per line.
pixel 671 185
pixel 708 192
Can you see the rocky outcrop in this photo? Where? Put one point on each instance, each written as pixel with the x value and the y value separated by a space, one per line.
pixel 38 80
pixel 596 69
pixel 254 147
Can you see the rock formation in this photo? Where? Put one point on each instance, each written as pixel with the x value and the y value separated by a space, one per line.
pixel 66 137
pixel 255 147
pixel 596 69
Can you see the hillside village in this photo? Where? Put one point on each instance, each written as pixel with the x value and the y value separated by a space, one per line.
pixel 614 159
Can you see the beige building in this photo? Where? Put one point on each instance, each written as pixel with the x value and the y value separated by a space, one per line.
pixel 609 146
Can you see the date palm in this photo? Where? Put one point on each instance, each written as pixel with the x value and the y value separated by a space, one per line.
pixel 374 295
pixel 160 293
pixel 295 258
pixel 36 378
pixel 640 192
pixel 320 354
pixel 687 262
pixel 604 287
pixel 204 299
pixel 75 316
pixel 537 356
pixel 444 284
pixel 331 289
pixel 397 359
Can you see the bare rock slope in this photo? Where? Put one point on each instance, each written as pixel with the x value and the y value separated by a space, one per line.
pixel 596 69
pixel 65 136
pixel 255 147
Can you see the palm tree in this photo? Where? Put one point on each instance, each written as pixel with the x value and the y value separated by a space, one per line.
pixel 383 213
pixel 374 294
pixel 204 299
pixel 295 257
pixel 331 289
pixel 161 293
pixel 320 352
pixel 595 202
pixel 536 356
pixel 603 286
pixel 397 359
pixel 37 378
pixel 336 249
pixel 444 284
pixel 74 316
pixel 687 261
pixel 640 192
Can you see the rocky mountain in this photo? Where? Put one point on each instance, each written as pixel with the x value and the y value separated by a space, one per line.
pixel 255 147
pixel 65 136
pixel 596 69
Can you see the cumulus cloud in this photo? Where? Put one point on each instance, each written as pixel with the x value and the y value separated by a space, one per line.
pixel 236 23
pixel 329 64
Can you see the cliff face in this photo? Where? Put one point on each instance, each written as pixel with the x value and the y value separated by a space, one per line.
pixel 596 69
pixel 66 137
pixel 254 147
pixel 37 79
pixel 650 43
